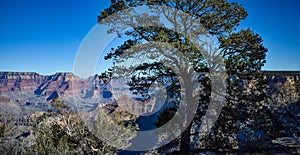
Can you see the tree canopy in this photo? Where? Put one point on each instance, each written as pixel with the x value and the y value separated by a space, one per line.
pixel 242 51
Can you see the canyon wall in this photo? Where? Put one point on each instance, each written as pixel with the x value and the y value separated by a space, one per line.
pixel 32 89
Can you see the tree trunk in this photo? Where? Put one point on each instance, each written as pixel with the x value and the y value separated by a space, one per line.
pixel 186 134
pixel 185 141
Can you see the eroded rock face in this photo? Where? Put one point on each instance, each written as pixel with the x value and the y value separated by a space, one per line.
pixel 29 88
pixel 59 82
pixel 42 85
pixel 19 81
pixel 284 84
pixel 282 77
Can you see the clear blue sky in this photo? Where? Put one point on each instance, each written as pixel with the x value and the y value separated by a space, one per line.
pixel 43 35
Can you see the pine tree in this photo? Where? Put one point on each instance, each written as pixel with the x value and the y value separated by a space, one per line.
pixel 243 52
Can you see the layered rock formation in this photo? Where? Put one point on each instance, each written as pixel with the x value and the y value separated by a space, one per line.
pixel 285 85
pixel 19 81
pixel 29 88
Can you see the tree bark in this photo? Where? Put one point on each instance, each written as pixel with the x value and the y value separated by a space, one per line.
pixel 185 141
pixel 186 134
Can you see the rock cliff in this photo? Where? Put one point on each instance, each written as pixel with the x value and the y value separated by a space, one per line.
pixel 32 89
pixel 28 88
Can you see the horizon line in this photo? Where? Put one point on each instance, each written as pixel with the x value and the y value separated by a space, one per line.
pixel 70 72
